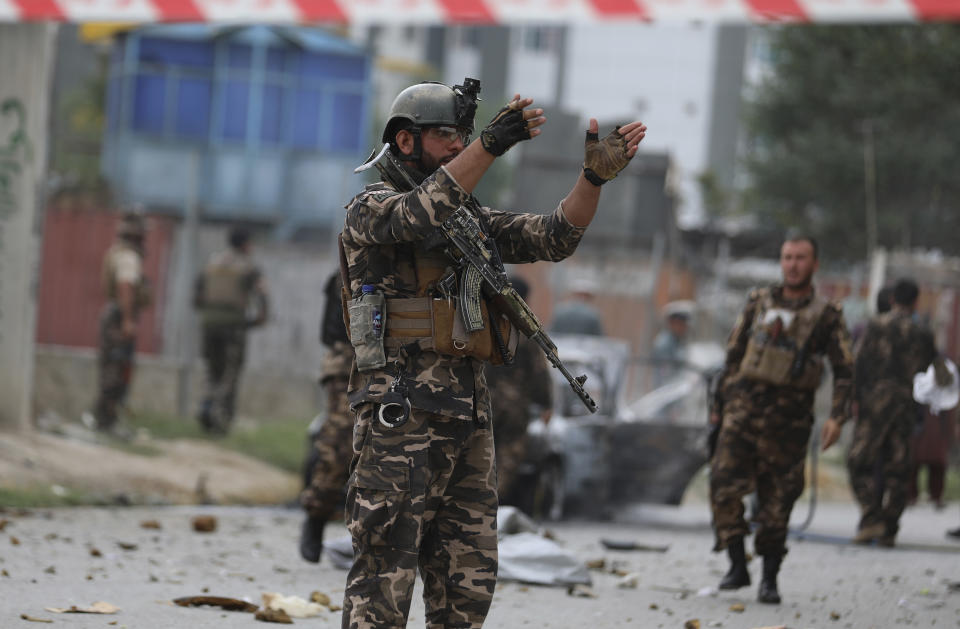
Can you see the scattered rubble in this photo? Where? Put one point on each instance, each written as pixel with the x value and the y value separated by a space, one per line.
pixel 204 524
pixel 273 615
pixel 99 607
pixel 293 606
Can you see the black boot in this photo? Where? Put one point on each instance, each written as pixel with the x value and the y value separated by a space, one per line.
pixel 737 577
pixel 768 585
pixel 311 539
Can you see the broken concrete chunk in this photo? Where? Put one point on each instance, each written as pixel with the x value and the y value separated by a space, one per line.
pixel 273 615
pixel 319 598
pixel 738 607
pixel 150 524
pixel 294 606
pixel 692 624
pixel 596 564
pixel 581 591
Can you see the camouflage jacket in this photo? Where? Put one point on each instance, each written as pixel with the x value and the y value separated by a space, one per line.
pixel 892 349
pixel 383 232
pixel 829 338
pixel 517 387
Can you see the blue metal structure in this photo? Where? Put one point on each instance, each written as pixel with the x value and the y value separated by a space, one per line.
pixel 266 122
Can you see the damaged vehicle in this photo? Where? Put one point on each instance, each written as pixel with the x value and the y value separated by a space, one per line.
pixel 644 444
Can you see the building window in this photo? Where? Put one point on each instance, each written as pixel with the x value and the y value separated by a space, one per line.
pixel 304 100
pixel 540 38
pixel 149 97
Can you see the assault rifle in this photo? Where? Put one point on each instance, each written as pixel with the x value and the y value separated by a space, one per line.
pixel 481 274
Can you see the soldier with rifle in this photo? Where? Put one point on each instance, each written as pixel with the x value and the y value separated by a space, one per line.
pixel 428 304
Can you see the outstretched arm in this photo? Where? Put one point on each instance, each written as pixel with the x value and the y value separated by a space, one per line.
pixel 512 124
pixel 580 205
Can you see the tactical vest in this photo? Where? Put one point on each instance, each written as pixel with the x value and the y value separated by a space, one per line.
pixel 227 282
pixel 778 350
pixel 108 277
pixel 433 324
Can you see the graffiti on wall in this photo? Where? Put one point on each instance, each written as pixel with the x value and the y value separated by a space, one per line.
pixel 15 153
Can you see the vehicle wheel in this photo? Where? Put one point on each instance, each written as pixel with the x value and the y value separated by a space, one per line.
pixel 549 493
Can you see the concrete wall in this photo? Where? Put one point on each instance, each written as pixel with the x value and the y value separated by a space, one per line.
pixel 26 61
pixel 66 384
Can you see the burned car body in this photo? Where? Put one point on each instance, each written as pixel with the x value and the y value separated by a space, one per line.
pixel 644 444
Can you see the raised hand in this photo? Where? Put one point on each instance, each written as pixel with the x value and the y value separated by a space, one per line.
pixel 514 123
pixel 604 159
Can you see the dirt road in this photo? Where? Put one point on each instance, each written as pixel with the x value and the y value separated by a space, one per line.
pixel 63 557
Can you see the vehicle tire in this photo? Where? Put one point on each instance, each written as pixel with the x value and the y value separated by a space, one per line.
pixel 549 493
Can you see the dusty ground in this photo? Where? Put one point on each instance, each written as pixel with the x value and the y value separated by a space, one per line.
pixel 47 559
pixel 145 471
pixel 56 558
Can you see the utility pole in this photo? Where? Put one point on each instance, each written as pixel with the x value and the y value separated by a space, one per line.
pixel 186 323
pixel 870 187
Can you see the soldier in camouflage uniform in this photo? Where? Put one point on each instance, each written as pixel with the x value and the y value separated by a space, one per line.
pixel 893 348
pixel 231 296
pixel 519 391
pixel 332 443
pixel 764 402
pixel 422 493
pixel 127 293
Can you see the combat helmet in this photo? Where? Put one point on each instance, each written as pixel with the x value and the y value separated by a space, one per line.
pixel 133 225
pixel 431 104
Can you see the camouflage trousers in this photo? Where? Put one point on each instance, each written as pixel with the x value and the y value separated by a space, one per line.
pixel 223 349
pixel 879 460
pixel 330 458
pixel 421 496
pixel 116 366
pixel 760 449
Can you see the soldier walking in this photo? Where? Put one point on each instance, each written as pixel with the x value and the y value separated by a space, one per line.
pixel 764 402
pixel 128 292
pixel 894 347
pixel 328 463
pixel 231 296
pixel 422 492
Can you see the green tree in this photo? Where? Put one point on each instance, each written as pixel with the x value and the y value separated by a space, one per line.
pixel 832 93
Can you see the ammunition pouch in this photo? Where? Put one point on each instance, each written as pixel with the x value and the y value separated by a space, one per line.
pixel 778 365
pixel 435 325
pixel 367 314
pixel 783 359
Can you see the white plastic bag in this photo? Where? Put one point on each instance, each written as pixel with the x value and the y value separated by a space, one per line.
pixel 926 391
